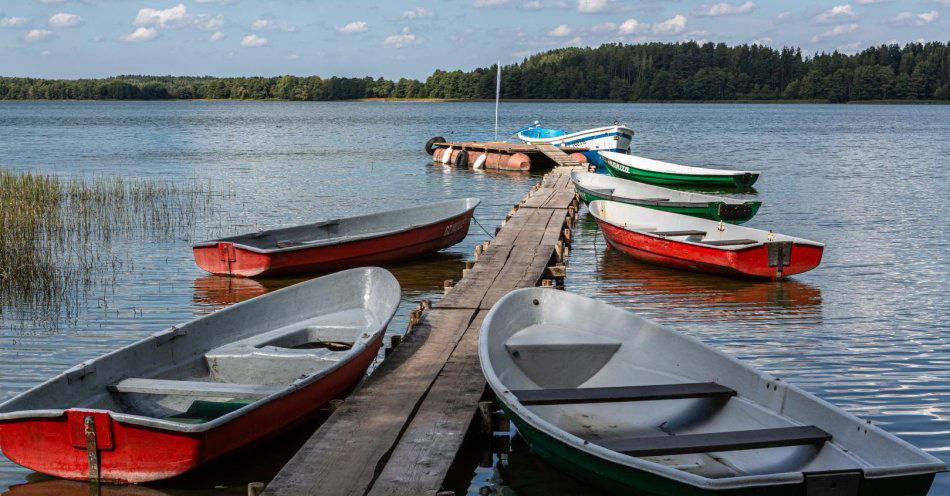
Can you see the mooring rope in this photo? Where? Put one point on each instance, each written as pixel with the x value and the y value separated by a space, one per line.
pixel 483 227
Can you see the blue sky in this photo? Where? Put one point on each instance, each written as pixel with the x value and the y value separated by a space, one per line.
pixel 411 38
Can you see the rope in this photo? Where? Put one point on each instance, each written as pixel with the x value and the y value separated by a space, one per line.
pixel 483 227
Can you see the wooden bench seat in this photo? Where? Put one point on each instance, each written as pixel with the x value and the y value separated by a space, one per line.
pixel 623 393
pixel 194 388
pixel 729 242
pixel 717 441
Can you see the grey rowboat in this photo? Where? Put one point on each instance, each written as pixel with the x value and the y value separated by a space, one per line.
pixel 633 406
pixel 196 392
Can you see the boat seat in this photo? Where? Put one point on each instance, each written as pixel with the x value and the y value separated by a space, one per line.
pixel 717 441
pixel 729 242
pixel 193 388
pixel 623 393
pixel 691 232
pixel 285 354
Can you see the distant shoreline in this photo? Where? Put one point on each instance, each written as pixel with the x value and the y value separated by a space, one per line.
pixel 504 100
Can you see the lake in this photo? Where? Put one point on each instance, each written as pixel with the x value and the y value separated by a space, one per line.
pixel 869 330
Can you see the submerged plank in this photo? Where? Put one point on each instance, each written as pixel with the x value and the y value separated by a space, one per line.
pixel 344 454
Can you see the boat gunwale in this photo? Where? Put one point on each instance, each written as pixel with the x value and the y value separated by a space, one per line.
pixel 473 202
pixel 169 425
pixel 577 180
pixel 730 248
pixel 504 394
pixel 700 171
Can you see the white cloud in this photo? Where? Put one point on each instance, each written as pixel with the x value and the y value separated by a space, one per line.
pixel 161 18
pixel 783 17
pixel 418 13
pixel 216 37
pixel 561 31
pixel 532 5
pixel 272 25
pixel 632 26
pixel 354 27
pixel 721 9
pixel 209 23
pixel 762 41
pixel 38 35
pixel 489 3
pixel 293 56
pixel 52 2
pixel 835 14
pixel 46 53
pixel 65 20
pixel 849 48
pixel 604 28
pixel 869 2
pixel 253 40
pixel 592 6
pixel 839 30
pixel 404 38
pixel 911 19
pixel 141 34
pixel 13 21
pixel 674 25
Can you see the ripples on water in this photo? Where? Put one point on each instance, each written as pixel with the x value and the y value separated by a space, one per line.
pixel 867 330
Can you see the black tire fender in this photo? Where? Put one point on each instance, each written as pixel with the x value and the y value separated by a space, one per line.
pixel 430 145
pixel 461 160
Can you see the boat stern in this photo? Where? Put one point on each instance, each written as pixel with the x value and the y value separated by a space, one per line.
pixel 79 444
pixel 223 258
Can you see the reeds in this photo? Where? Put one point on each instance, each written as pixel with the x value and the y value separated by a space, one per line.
pixel 56 235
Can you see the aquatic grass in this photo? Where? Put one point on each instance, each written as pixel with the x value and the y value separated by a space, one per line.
pixel 56 235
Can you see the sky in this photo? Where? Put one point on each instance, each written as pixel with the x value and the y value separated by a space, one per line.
pixel 411 38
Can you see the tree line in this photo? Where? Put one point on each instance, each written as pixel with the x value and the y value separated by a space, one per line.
pixel 623 72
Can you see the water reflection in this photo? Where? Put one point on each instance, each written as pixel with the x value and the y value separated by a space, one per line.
pixel 630 280
pixel 58 487
pixel 421 277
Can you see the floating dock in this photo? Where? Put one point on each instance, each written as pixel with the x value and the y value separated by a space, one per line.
pixel 399 433
pixel 505 156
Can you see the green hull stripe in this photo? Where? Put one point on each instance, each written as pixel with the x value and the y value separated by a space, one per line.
pixel 710 212
pixel 644 176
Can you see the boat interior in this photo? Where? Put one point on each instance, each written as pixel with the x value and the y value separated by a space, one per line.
pixel 607 377
pixel 363 226
pixel 206 368
pixel 543 133
pixel 685 228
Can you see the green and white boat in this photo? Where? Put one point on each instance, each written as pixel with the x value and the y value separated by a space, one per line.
pixel 633 407
pixel 652 171
pixel 593 187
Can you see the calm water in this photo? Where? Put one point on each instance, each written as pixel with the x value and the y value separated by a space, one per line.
pixel 868 330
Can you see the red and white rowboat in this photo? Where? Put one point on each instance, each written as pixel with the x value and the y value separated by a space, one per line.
pixel 193 393
pixel 690 243
pixel 374 239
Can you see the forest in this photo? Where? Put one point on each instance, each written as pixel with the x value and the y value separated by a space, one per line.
pixel 621 72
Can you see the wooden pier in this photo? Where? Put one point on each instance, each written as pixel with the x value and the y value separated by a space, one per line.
pixel 398 434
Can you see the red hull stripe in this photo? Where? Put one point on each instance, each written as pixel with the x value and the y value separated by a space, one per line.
pixel 746 262
pixel 329 258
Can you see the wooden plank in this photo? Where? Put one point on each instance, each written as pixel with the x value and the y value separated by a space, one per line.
pixel 552 232
pixel 525 266
pixel 622 393
pixel 427 449
pixel 194 388
pixel 717 441
pixel 342 456
pixel 471 290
